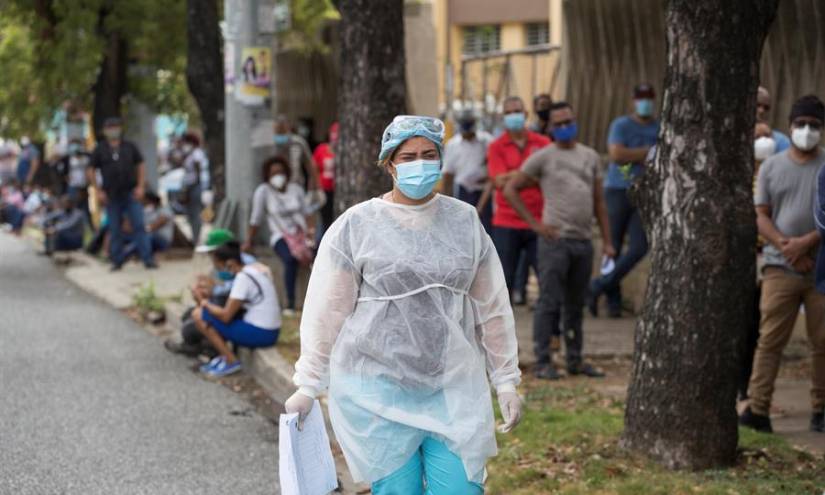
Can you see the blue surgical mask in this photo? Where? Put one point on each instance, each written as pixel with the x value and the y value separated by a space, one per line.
pixel 644 108
pixel 416 179
pixel 281 139
pixel 514 121
pixel 224 275
pixel 567 133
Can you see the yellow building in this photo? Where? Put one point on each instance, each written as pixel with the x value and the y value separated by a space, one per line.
pixel 485 50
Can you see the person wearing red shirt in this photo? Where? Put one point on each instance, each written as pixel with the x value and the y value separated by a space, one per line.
pixel 513 236
pixel 324 157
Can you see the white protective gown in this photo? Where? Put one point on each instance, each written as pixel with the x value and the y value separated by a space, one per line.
pixel 406 306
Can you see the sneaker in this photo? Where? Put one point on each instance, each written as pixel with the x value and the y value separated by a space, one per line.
pixel 208 366
pixel 222 368
pixel 518 298
pixel 547 372
pixel 151 265
pixel 818 422
pixel 584 369
pixel 755 421
pixel 116 268
pixel 289 313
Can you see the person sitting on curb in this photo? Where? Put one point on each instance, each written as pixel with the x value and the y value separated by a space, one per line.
pixel 214 286
pixel 63 228
pixel 159 222
pixel 252 290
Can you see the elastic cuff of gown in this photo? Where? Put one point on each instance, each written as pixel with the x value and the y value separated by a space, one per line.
pixel 308 391
pixel 506 387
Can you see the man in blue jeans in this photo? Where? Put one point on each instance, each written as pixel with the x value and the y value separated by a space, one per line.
pixel 629 141
pixel 121 167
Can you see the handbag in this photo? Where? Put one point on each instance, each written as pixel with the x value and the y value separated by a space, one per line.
pixel 296 242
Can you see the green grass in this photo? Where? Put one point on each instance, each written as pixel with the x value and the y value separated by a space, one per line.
pixel 567 443
pixel 146 299
pixel 289 344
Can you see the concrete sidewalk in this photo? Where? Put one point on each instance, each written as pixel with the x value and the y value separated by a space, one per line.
pixel 604 337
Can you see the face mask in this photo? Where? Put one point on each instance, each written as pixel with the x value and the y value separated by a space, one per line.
pixel 278 181
pixel 467 126
pixel 281 139
pixel 763 147
pixel 514 121
pixel 112 133
pixel 567 133
pixel 544 115
pixel 187 148
pixel 805 138
pixel 416 179
pixel 644 108
pixel 224 275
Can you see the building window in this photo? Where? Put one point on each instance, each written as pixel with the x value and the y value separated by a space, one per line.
pixel 481 39
pixel 538 33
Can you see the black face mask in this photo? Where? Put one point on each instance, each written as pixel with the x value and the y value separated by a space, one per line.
pixel 544 114
pixel 468 126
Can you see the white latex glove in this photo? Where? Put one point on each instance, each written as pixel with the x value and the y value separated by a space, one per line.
pixel 510 404
pixel 299 403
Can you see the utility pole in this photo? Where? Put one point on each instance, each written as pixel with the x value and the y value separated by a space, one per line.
pixel 247 25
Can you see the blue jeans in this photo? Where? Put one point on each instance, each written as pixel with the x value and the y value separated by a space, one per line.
pixel 63 241
pixel 510 244
pixel 290 271
pixel 116 210
pixel 624 219
pixel 14 216
pixel 157 242
pixel 472 198
pixel 433 462
pixel 194 207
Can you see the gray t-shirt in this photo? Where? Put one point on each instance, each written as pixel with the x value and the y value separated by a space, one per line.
pixel 567 178
pixel 789 188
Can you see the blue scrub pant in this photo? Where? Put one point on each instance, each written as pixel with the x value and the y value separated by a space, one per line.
pixel 434 464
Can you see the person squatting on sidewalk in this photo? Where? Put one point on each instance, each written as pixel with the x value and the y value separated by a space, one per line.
pixel 785 200
pixel 406 307
pixel 569 174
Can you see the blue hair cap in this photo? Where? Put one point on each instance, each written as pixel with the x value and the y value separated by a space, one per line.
pixel 404 127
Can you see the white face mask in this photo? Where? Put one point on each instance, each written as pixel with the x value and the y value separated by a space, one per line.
pixel 187 148
pixel 278 181
pixel 805 138
pixel 763 147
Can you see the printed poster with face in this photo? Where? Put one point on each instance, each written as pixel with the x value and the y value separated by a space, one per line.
pixel 254 76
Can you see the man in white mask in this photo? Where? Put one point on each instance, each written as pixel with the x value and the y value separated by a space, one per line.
pixel 785 200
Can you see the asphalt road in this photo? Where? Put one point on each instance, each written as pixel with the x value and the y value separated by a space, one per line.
pixel 90 403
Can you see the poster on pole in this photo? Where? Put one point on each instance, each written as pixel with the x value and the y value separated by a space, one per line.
pixel 254 77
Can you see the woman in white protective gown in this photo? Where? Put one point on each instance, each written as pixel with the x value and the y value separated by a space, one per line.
pixel 405 310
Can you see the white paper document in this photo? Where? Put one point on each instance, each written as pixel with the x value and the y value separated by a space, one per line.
pixel 306 465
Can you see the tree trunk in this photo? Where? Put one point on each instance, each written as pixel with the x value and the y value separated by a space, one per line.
pixel 373 91
pixel 696 203
pixel 204 76
pixel 111 84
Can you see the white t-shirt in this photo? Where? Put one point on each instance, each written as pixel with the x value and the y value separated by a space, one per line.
pixel 285 212
pixel 467 160
pixel 260 300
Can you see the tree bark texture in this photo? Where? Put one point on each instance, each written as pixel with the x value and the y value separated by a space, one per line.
pixel 373 91
pixel 204 76
pixel 112 79
pixel 696 203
